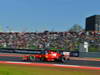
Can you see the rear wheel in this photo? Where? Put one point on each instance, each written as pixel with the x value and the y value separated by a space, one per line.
pixel 63 60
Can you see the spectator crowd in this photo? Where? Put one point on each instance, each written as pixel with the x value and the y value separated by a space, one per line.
pixel 46 39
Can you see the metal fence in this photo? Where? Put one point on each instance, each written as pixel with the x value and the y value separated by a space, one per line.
pixel 90 54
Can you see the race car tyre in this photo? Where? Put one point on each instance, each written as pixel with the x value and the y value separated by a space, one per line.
pixel 63 60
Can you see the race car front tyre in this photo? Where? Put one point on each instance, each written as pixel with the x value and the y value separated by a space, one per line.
pixel 32 58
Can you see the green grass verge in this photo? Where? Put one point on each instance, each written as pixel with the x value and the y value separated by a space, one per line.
pixel 11 69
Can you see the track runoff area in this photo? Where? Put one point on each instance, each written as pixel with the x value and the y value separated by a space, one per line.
pixel 13 59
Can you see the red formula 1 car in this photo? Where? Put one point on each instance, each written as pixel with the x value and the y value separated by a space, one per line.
pixel 47 55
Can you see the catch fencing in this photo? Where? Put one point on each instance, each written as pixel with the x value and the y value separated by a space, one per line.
pixel 90 54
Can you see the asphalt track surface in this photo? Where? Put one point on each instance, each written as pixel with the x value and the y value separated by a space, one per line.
pixel 70 62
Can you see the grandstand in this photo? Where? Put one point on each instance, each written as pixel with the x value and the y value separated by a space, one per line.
pixel 53 40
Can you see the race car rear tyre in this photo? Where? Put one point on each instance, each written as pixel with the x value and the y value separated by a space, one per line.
pixel 63 60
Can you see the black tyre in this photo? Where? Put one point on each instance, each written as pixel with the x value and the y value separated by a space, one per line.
pixel 63 60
